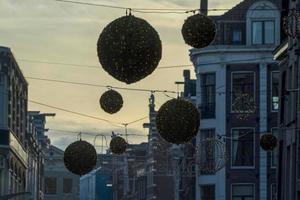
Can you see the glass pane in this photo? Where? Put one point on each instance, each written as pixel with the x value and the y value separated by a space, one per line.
pixel 269 32
pixel 207 152
pixel 242 83
pixel 237 36
pixel 257 32
pixel 208 95
pixel 242 147
pixel 208 192
pixel 274 152
pixel 275 91
pixel 243 192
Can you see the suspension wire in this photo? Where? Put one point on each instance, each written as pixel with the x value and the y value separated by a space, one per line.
pixel 159 10
pixel 101 86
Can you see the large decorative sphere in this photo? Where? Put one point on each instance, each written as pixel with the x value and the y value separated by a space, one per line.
pixel 111 101
pixel 118 145
pixel 80 157
pixel 178 121
pixel 198 31
pixel 129 49
pixel 268 142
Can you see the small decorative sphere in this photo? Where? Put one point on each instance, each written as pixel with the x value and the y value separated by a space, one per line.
pixel 118 145
pixel 111 101
pixel 198 31
pixel 129 49
pixel 268 142
pixel 80 157
pixel 178 121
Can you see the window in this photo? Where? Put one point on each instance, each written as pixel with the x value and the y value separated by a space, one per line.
pixel 50 185
pixel 208 192
pixel 242 147
pixel 275 91
pixel 273 191
pixel 68 185
pixel 243 192
pixel 242 83
pixel 237 36
pixel 274 154
pixel 208 95
pixel 207 157
pixel 263 32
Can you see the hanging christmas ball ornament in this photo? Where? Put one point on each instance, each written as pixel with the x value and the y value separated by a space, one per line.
pixel 178 121
pixel 118 145
pixel 80 157
pixel 198 31
pixel 111 101
pixel 268 142
pixel 129 49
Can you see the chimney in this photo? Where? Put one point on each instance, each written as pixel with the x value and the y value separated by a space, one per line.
pixel 203 7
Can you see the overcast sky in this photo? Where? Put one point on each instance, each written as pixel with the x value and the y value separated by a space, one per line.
pixel 52 31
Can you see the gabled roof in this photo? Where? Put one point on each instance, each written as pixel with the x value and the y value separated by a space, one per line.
pixel 239 11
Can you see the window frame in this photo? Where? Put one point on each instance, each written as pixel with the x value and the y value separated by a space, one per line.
pixel 64 179
pixel 263 21
pixel 56 188
pixel 254 149
pixel 231 87
pixel 212 132
pixel 212 115
pixel 272 152
pixel 208 185
pixel 240 184
pixel 271 90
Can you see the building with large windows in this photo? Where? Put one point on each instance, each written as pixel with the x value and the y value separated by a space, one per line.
pixel 59 183
pixel 287 54
pixel 13 120
pixel 237 93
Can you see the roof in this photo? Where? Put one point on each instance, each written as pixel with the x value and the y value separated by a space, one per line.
pixel 239 10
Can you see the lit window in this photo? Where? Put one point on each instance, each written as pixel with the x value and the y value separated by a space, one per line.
pixel 242 147
pixel 243 192
pixel 263 32
pixel 275 91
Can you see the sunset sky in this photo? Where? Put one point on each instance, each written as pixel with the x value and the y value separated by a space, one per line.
pixel 51 31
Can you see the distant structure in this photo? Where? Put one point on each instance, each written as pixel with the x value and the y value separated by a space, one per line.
pixel 287 53
pixel 239 62
pixel 97 185
pixel 13 122
pixel 159 169
pixel 59 182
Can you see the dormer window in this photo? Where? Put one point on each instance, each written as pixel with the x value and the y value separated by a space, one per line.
pixel 263 32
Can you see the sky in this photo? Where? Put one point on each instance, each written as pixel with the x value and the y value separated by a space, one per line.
pixel 51 31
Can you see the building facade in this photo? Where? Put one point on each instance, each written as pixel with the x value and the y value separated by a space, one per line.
pixel 13 121
pixel 59 182
pixel 237 94
pixel 287 53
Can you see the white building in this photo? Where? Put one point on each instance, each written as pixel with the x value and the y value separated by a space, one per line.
pixel 240 61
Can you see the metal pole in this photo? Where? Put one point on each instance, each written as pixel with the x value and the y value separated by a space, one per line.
pixel 203 7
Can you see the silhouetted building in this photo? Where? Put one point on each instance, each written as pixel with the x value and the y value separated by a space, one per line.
pixel 13 120
pixel 288 175
pixel 239 62
pixel 59 182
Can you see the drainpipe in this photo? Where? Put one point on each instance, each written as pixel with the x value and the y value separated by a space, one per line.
pixel 203 7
